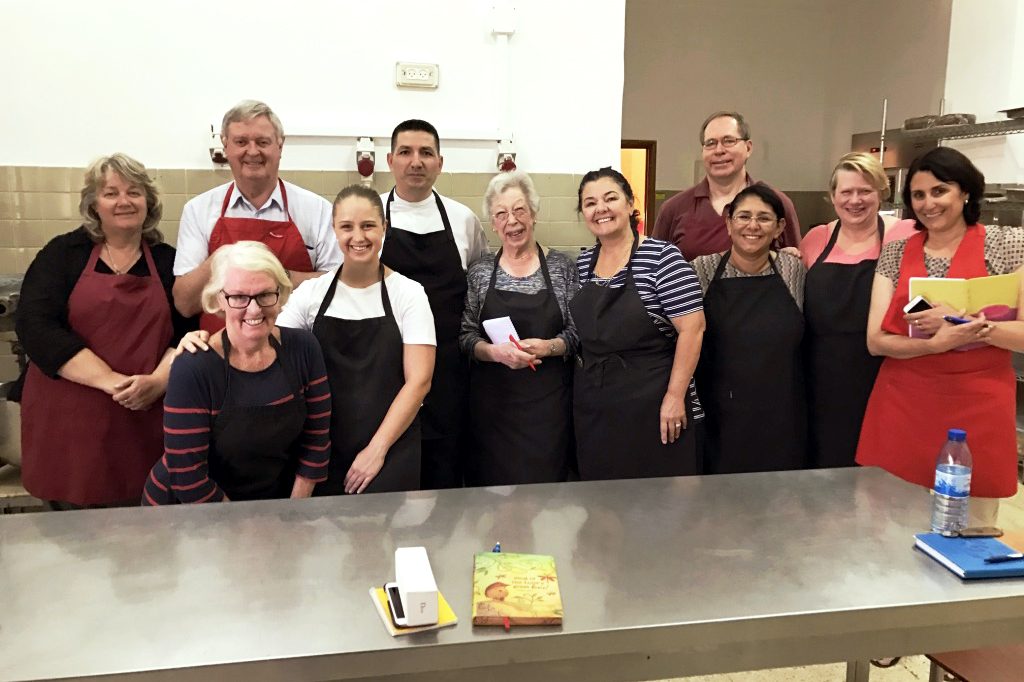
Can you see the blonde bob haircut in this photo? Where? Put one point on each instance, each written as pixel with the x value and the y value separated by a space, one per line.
pixel 248 256
pixel 507 180
pixel 133 173
pixel 247 110
pixel 865 164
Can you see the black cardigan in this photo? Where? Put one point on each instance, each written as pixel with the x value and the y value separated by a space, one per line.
pixel 42 315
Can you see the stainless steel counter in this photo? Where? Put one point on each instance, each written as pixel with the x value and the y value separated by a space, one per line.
pixel 659 577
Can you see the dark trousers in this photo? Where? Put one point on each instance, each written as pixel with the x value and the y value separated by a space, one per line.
pixel 441 463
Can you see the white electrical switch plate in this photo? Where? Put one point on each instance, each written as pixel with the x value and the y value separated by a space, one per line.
pixel 411 75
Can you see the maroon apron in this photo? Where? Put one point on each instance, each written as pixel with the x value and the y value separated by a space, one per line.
pixel 78 445
pixel 915 400
pixel 280 236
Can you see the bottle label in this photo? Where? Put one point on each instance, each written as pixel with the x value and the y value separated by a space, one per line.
pixel 952 485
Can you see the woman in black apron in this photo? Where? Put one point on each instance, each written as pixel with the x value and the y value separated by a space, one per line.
pixel 840 259
pixel 751 365
pixel 520 410
pixel 247 420
pixel 639 319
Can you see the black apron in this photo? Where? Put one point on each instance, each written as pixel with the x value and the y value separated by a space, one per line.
pixel 619 385
pixel 751 375
pixel 254 449
pixel 433 260
pixel 521 420
pixel 840 371
pixel 366 370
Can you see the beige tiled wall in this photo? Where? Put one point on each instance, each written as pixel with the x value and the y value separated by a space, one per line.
pixel 38 203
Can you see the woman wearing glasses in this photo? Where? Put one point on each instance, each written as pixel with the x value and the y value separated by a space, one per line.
pixel 249 418
pixel 520 390
pixel 751 368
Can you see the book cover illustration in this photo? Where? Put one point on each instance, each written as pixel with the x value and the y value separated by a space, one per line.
pixel 522 588
pixel 996 296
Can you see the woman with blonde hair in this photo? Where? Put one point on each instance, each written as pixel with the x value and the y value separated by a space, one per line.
pixel 840 257
pixel 248 418
pixel 97 321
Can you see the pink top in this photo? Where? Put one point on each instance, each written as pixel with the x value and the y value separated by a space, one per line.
pixel 813 243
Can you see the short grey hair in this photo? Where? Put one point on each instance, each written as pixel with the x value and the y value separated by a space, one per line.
pixel 251 257
pixel 134 173
pixel 248 109
pixel 517 179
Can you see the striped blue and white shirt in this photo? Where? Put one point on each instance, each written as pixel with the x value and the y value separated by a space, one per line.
pixel 667 285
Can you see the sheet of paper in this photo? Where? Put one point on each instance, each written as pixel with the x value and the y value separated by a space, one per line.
pixel 499 328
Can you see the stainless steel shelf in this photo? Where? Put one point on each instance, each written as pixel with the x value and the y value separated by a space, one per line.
pixel 966 131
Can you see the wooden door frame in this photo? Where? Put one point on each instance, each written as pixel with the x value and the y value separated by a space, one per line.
pixel 651 146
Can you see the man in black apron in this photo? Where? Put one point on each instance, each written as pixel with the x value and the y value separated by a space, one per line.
pixel 432 240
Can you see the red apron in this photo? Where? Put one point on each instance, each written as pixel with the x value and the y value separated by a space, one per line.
pixel 78 445
pixel 916 400
pixel 281 236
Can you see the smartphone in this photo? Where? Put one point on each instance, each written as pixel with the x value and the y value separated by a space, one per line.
pixel 918 305
pixel 395 605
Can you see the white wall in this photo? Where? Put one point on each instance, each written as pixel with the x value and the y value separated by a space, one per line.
pixel 807 74
pixel 87 78
pixel 986 74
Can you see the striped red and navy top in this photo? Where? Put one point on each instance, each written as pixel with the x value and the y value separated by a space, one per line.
pixel 195 396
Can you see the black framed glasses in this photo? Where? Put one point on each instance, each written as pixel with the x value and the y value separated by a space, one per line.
pixel 264 299
pixel 727 142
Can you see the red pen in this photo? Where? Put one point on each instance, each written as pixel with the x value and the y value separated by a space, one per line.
pixel 513 340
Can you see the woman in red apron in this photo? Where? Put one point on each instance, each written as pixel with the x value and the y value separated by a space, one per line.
pixel 95 319
pixel 925 384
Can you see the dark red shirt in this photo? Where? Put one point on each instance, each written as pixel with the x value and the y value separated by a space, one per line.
pixel 690 222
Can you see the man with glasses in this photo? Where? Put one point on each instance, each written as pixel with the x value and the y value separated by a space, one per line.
pixel 256 205
pixel 693 220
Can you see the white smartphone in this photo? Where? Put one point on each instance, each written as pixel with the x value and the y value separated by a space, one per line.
pixel 918 304
pixel 395 605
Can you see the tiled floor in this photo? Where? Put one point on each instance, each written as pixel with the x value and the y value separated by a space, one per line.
pixel 909 669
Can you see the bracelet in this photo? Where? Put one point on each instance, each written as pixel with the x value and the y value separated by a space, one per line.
pixel 554 348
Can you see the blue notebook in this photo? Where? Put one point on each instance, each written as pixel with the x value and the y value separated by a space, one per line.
pixel 966 556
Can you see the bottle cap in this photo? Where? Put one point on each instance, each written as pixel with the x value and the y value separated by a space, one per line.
pixel 957 435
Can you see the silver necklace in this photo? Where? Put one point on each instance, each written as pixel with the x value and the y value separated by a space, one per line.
pixel 113 266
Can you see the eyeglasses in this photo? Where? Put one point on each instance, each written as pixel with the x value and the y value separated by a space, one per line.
pixel 744 219
pixel 501 217
pixel 727 142
pixel 264 299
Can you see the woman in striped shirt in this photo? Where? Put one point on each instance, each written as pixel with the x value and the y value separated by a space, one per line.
pixel 640 321
pixel 250 417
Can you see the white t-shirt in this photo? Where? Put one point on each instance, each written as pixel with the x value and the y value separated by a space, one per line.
pixel 311 213
pixel 408 304
pixel 422 217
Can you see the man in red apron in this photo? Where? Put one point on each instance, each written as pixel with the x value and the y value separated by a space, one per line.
pixel 257 205
pixel 432 240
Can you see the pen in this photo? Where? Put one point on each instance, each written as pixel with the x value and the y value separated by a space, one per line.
pixel 513 340
pixel 955 320
pixel 497 547
pixel 1000 558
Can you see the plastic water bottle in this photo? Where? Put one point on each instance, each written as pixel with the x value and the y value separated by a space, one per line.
pixel 952 484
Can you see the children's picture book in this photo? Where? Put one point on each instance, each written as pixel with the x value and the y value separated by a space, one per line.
pixel 515 589
pixel 966 556
pixel 445 615
pixel 996 296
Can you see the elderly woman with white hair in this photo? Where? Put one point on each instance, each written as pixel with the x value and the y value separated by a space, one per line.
pixel 250 417
pixel 520 388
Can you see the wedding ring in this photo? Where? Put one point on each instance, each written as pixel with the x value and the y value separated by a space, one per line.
pixel 679 425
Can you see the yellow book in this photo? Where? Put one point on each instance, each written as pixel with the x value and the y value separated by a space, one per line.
pixel 445 615
pixel 515 589
pixel 996 296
